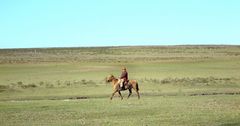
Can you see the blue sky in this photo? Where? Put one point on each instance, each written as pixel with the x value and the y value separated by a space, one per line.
pixel 67 23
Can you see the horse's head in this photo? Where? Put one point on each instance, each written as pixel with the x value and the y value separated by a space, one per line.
pixel 110 78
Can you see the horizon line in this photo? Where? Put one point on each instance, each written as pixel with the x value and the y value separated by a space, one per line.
pixel 102 46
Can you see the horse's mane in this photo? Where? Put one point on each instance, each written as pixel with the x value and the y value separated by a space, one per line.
pixel 115 77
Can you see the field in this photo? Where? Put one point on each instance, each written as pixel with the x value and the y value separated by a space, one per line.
pixel 179 85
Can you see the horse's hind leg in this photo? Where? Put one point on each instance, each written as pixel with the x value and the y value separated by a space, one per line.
pixel 130 92
pixel 120 95
pixel 137 89
pixel 113 95
pixel 138 94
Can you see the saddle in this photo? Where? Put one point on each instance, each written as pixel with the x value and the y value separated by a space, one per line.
pixel 124 86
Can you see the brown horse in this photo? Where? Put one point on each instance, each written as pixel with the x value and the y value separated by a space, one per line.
pixel 132 84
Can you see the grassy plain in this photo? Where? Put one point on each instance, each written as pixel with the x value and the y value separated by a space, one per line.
pixel 179 85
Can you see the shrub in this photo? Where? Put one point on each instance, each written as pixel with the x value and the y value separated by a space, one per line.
pixel 29 86
pixel 197 81
pixel 3 87
pixel 41 83
pixel 49 85
pixel 20 83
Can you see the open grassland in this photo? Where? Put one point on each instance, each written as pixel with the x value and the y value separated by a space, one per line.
pixel 178 110
pixel 118 54
pixel 179 85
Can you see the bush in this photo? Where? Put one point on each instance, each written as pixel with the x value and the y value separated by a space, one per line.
pixel 197 81
pixel 3 87
pixel 20 83
pixel 49 85
pixel 41 83
pixel 29 86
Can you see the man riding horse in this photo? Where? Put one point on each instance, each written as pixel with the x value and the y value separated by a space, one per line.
pixel 124 78
pixel 122 84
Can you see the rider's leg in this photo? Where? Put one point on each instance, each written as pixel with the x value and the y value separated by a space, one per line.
pixel 121 83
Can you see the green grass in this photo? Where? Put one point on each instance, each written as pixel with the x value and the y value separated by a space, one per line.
pixel 179 85
pixel 178 110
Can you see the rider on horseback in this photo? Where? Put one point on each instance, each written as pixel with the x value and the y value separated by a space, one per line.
pixel 124 78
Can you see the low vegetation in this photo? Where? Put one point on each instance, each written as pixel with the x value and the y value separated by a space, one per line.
pixel 179 85
pixel 118 54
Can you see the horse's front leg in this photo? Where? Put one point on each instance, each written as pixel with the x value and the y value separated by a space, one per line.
pixel 113 95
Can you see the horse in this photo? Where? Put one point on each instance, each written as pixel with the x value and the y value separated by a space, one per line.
pixel 132 84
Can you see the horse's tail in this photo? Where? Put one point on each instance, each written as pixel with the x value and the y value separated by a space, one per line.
pixel 137 86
